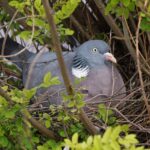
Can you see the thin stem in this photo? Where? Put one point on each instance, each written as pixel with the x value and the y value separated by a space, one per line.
pixel 57 46
pixel 139 66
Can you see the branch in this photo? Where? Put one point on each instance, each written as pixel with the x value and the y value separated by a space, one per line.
pixel 138 63
pixel 109 19
pixel 3 94
pixel 27 116
pixel 57 46
pixel 5 5
pixel 7 31
pixel 127 40
pixel 79 26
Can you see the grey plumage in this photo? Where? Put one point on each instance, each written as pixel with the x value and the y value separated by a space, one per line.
pixel 102 78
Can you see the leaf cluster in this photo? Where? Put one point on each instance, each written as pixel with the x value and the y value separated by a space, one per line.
pixel 34 15
pixel 112 139
pixel 127 7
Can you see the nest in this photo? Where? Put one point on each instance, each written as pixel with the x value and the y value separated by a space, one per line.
pixel 131 110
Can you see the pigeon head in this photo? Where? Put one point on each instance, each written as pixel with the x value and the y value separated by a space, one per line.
pixel 91 54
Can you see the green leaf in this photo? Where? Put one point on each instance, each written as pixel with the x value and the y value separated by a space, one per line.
pixel 29 93
pixel 62 133
pixel 131 138
pixel 145 24
pixel 126 2
pixel 115 132
pixel 3 102
pixel 126 13
pixel 115 145
pixel 10 114
pixel 55 81
pixel 106 135
pixel 26 35
pixel 47 77
pixel 90 140
pixel 71 104
pixel 108 9
pixel 43 147
pixel 3 141
pixel 131 6
pixel 37 4
pixel 96 141
pixel 2 131
pixel 75 138
pixel 47 123
pixel 66 10
pixel 114 3
pixel 18 5
pixel 125 128
pixel 68 143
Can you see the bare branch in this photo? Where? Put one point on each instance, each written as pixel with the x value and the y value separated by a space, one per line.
pixel 138 63
pixel 110 21
pixel 57 46
pixel 79 26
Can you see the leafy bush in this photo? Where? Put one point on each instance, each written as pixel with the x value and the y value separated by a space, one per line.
pixel 35 18
pixel 127 7
pixel 113 139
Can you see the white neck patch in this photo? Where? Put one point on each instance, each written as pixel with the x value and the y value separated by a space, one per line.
pixel 80 72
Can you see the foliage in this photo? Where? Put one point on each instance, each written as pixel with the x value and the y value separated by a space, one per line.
pixel 127 7
pixel 15 131
pixel 145 23
pixel 14 127
pixel 112 139
pixel 66 10
pixel 11 70
pixel 49 80
pixel 50 144
pixel 106 115
pixel 120 7
pixel 35 18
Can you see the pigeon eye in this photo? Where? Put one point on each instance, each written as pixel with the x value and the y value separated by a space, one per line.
pixel 94 50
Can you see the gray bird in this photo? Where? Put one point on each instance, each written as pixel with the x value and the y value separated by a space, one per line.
pixel 90 60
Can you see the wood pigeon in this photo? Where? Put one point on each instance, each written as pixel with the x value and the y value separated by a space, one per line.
pixel 90 60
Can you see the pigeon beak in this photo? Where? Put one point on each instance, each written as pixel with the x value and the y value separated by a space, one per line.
pixel 110 57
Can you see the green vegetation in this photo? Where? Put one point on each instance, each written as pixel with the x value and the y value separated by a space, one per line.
pixel 30 23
